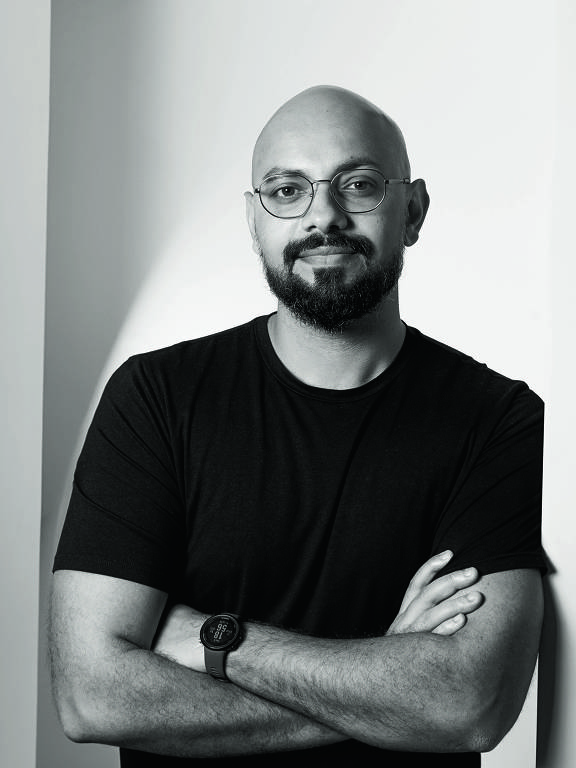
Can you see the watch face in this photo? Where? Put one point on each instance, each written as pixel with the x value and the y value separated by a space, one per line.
pixel 219 632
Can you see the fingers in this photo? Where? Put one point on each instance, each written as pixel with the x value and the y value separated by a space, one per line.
pixel 437 604
pixel 468 603
pixel 424 575
pixel 446 586
pixel 425 587
pixel 445 618
pixel 450 626
pixel 444 613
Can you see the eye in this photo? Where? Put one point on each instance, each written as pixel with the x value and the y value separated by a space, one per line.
pixel 285 192
pixel 285 189
pixel 358 185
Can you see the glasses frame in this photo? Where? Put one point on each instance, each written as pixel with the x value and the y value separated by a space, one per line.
pixel 312 182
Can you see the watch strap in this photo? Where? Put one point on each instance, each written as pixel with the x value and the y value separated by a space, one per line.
pixel 215 661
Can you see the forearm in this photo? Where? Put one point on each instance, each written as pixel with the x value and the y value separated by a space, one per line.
pixel 144 701
pixel 412 690
pixel 407 692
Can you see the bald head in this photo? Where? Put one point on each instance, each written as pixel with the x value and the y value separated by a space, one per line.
pixel 329 121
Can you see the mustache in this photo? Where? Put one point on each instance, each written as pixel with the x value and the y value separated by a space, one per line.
pixel 356 243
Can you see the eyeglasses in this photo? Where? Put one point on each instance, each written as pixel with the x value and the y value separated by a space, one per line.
pixel 290 195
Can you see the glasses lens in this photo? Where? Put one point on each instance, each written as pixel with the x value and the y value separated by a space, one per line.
pixel 287 195
pixel 359 190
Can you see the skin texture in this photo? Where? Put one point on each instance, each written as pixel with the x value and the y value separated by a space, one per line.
pixel 114 684
pixel 451 673
pixel 410 691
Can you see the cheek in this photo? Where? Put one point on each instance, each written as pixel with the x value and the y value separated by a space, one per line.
pixel 272 237
pixel 386 232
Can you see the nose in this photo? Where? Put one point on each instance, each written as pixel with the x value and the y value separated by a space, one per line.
pixel 324 214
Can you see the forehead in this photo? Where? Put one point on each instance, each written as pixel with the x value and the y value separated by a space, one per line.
pixel 320 144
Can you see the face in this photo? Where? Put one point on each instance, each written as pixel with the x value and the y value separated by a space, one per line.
pixel 330 267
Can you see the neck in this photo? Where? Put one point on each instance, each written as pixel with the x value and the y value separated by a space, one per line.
pixel 342 360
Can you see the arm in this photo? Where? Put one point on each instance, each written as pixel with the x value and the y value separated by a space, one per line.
pixel 110 688
pixel 414 691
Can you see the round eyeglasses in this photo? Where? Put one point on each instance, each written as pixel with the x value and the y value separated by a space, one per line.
pixel 290 195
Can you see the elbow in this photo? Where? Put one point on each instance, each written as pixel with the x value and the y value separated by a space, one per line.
pixel 78 716
pixel 74 731
pixel 484 738
pixel 471 718
pixel 76 727
pixel 466 735
pixel 482 724
pixel 487 732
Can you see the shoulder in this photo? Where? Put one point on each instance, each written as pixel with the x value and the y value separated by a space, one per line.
pixel 457 392
pixel 164 383
pixel 193 351
pixel 462 375
pixel 183 363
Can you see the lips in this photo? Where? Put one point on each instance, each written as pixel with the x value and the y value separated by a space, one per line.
pixel 328 250
pixel 334 244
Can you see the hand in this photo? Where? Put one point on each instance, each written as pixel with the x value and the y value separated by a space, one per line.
pixel 178 637
pixel 427 606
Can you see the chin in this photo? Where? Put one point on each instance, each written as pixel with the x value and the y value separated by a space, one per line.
pixel 332 303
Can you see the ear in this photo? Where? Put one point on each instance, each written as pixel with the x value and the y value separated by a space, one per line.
pixel 250 202
pixel 417 208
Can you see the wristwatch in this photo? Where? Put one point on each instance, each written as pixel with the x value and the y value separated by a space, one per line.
pixel 219 635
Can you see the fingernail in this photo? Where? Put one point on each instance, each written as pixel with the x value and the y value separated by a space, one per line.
pixel 472 597
pixel 445 555
pixel 469 572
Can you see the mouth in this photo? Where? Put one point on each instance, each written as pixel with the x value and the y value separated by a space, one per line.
pixel 328 250
pixel 327 256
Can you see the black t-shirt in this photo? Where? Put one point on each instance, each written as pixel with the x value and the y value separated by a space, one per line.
pixel 212 473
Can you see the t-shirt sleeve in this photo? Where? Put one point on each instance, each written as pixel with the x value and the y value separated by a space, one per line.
pixel 492 520
pixel 125 513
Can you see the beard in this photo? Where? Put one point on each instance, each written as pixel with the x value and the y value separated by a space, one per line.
pixel 331 303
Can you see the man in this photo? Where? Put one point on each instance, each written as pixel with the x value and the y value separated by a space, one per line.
pixel 345 512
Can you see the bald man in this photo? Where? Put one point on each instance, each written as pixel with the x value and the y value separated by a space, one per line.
pixel 315 536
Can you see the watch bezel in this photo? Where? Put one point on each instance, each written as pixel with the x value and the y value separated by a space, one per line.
pixel 228 644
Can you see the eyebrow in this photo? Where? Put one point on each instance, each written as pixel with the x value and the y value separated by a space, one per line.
pixel 355 162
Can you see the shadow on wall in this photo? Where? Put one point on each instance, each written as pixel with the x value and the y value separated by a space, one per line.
pixel 101 239
pixel 101 246
pixel 552 650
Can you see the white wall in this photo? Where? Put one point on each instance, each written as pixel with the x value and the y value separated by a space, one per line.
pixel 24 68
pixel 557 713
pixel 155 105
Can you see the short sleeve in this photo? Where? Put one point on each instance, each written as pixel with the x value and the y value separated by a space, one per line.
pixel 492 520
pixel 125 514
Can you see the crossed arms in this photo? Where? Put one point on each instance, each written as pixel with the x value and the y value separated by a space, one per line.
pixel 450 675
